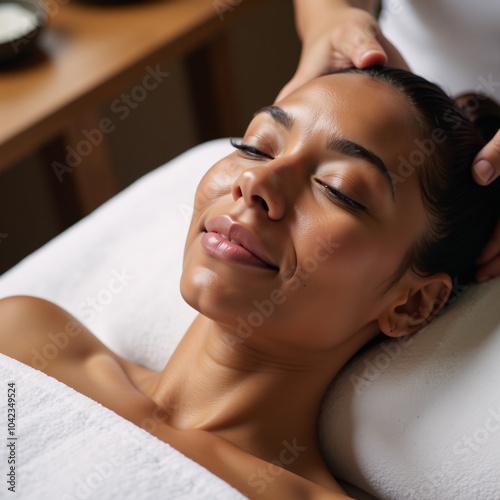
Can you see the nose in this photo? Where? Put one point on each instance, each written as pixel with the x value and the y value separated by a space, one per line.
pixel 264 187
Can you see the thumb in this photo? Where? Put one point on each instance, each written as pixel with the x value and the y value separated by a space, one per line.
pixel 486 165
pixel 360 45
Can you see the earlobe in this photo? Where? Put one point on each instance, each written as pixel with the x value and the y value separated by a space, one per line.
pixel 421 301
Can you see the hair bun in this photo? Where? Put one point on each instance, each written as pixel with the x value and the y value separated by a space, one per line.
pixel 482 111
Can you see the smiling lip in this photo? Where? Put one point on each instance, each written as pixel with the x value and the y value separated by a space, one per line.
pixel 231 241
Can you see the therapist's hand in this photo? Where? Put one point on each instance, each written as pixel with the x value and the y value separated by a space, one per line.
pixel 486 169
pixel 487 162
pixel 342 38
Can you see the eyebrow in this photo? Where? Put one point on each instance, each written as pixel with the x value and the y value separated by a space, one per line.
pixel 278 115
pixel 354 150
pixel 335 143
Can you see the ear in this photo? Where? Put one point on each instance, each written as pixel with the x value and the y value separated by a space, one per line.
pixel 417 300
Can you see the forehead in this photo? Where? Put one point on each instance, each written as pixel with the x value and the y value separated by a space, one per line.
pixel 357 107
pixel 353 92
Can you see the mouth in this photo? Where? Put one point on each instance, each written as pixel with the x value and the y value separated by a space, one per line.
pixel 233 242
pixel 228 239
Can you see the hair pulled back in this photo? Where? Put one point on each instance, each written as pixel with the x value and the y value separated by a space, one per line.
pixel 462 214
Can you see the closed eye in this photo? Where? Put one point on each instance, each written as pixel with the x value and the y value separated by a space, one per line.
pixel 339 196
pixel 249 150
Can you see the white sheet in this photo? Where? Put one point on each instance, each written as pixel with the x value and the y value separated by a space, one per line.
pixel 400 435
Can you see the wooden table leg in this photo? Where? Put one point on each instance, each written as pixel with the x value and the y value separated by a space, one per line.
pixel 64 193
pixel 211 79
pixel 80 168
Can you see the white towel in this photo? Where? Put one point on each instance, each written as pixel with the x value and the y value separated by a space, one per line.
pixel 68 447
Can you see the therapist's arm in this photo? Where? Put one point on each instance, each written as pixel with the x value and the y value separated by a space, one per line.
pixel 337 34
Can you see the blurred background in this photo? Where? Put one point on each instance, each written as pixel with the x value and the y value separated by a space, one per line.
pixel 264 51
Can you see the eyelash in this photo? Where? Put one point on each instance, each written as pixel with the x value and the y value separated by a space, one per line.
pixel 249 150
pixel 335 193
pixel 331 191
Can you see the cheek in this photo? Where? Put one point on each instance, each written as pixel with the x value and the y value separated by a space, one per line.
pixel 201 286
pixel 333 284
pixel 216 182
pixel 337 281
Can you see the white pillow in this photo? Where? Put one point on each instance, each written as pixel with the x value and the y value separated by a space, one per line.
pixel 420 418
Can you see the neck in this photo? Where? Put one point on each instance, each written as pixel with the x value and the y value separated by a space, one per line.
pixel 259 400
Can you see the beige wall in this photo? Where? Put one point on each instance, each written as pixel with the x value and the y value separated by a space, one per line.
pixel 264 50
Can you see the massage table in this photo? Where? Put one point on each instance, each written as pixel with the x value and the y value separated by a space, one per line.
pixel 415 418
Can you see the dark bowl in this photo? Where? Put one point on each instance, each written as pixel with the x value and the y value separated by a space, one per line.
pixel 16 44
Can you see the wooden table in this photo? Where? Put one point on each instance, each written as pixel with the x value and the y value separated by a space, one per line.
pixel 89 54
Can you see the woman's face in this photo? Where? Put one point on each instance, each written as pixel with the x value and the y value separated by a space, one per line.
pixel 316 223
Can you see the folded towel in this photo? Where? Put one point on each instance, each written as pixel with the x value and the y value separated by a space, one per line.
pixel 68 447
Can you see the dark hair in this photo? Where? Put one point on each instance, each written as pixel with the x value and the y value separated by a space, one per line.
pixel 462 214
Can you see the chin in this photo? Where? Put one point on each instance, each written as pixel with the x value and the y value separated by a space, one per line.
pixel 201 289
pixel 192 289
pixel 206 292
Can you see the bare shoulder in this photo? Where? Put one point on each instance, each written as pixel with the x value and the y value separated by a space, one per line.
pixel 36 331
pixel 43 335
